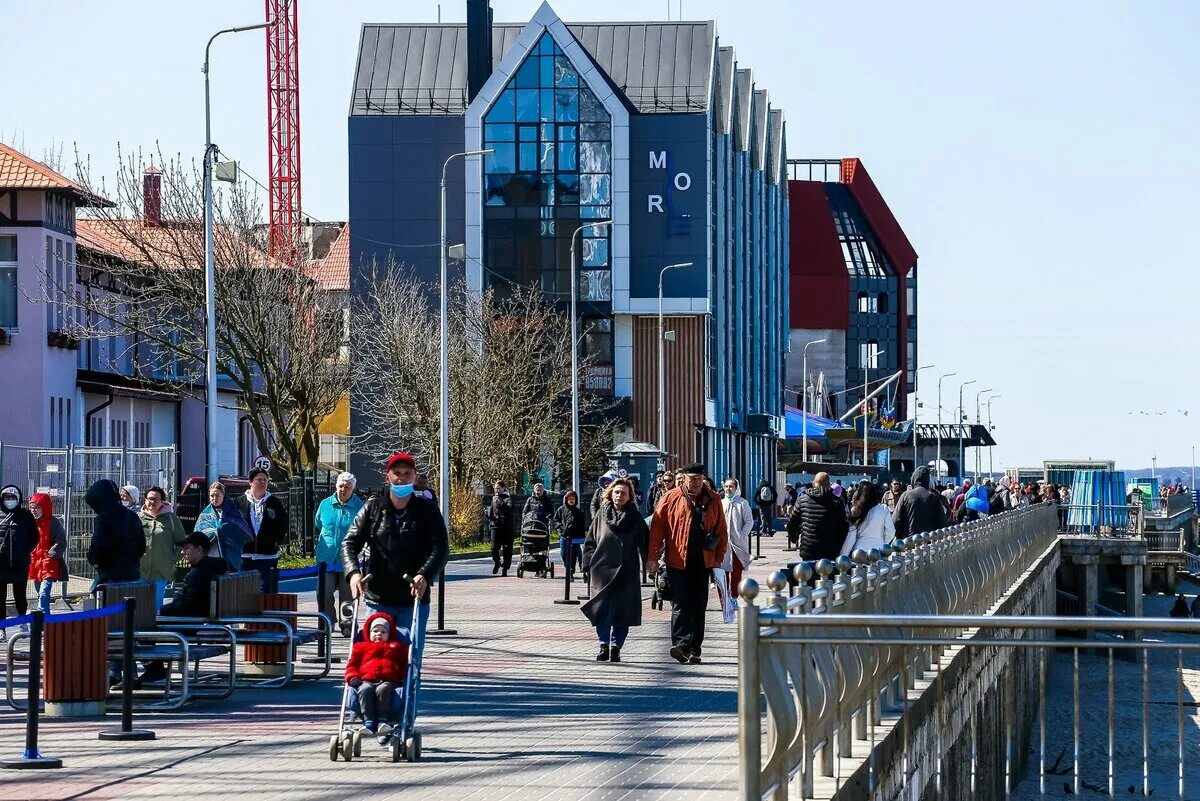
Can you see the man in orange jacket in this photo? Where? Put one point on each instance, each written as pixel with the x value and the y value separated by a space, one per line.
pixel 689 530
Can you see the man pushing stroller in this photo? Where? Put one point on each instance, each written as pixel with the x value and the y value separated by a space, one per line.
pixel 377 665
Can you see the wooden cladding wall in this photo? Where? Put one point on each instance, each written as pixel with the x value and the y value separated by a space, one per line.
pixel 684 367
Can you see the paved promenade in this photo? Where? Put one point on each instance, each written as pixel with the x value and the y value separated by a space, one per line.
pixel 513 707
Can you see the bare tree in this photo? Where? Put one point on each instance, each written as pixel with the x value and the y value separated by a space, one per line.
pixel 275 342
pixel 510 379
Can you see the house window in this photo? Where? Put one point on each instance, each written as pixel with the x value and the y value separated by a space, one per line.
pixel 8 282
pixel 868 354
pixel 881 304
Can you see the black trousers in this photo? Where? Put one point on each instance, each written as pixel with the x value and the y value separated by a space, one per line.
pixel 20 595
pixel 689 600
pixel 375 700
pixel 502 553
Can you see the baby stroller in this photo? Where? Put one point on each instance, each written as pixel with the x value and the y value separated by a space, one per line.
pixel 404 741
pixel 535 549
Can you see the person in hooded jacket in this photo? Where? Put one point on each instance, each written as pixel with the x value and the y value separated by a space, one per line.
pixel 48 563
pixel 194 595
pixel 222 521
pixel 601 486
pixel 613 553
pixel 817 525
pixel 500 527
pixel 18 536
pixel 975 504
pixel 739 522
pixel 569 522
pixel 1001 500
pixel 764 498
pixel 871 523
pixel 919 509
pixel 164 536
pixel 118 542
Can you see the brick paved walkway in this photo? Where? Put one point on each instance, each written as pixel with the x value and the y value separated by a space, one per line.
pixel 513 707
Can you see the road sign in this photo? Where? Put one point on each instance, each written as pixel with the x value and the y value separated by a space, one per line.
pixel 263 463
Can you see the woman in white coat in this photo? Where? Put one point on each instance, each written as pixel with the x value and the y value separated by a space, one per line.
pixel 871 523
pixel 739 520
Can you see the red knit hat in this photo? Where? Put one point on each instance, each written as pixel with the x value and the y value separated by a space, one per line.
pixel 400 458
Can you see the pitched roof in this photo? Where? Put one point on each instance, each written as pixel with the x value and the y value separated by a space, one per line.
pixel 165 245
pixel 408 69
pixel 332 273
pixel 18 171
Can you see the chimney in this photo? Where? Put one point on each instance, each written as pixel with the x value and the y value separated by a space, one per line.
pixel 152 196
pixel 479 45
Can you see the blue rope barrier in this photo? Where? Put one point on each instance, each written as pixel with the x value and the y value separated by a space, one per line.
pixel 299 572
pixel 8 623
pixel 87 614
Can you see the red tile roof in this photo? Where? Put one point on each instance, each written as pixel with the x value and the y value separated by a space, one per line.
pixel 165 245
pixel 18 171
pixel 332 273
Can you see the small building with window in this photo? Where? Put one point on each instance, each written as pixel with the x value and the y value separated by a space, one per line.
pixel 853 284
pixel 655 126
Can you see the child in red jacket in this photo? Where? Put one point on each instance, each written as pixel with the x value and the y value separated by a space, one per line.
pixel 378 664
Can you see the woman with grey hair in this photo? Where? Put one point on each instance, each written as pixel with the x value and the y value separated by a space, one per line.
pixel 331 523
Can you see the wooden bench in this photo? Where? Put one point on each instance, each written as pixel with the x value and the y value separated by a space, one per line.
pixel 153 643
pixel 236 604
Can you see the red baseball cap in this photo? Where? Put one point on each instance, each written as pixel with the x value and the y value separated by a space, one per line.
pixel 400 458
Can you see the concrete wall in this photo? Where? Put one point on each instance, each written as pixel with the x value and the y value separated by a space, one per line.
pixel 993 686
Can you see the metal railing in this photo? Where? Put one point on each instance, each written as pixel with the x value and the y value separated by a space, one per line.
pixel 1169 505
pixel 1164 540
pixel 814 695
pixel 1101 519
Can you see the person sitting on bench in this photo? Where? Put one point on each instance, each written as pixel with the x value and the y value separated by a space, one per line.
pixel 192 598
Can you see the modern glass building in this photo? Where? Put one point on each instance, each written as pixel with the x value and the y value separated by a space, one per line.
pixel 654 126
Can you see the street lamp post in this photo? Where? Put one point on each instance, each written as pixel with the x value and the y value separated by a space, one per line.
pixel 444 438
pixel 575 457
pixel 804 404
pixel 939 425
pixel 210 271
pixel 961 448
pixel 977 422
pixel 989 428
pixel 916 414
pixel 871 353
pixel 662 397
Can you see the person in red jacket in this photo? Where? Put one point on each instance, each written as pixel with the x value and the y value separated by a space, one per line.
pixel 48 562
pixel 378 663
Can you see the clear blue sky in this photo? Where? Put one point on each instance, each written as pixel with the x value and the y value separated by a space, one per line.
pixel 1041 156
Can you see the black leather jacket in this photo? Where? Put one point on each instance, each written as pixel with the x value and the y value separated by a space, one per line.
pixel 417 546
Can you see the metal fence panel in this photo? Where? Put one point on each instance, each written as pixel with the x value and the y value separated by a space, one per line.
pixel 14 465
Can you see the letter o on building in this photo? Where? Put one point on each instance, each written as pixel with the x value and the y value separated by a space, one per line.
pixel 683 181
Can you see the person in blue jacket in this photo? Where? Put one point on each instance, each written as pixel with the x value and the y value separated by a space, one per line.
pixel 331 522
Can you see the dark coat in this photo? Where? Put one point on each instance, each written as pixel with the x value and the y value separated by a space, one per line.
pixel 500 518
pixel 536 514
pixel 18 538
pixel 569 522
pixel 771 495
pixel 418 546
pixel 919 509
pixel 272 532
pixel 818 524
pixel 614 557
pixel 195 596
pixel 118 542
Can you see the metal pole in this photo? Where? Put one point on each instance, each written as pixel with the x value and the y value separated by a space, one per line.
pixel 662 397
pixel 939 425
pixel 444 433
pixel 804 410
pixel 749 695
pixel 991 467
pixel 127 732
pixel 210 270
pixel 32 758
pixel 977 422
pixel 575 449
pixel 961 450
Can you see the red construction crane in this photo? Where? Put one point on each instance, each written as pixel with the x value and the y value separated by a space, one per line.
pixel 283 133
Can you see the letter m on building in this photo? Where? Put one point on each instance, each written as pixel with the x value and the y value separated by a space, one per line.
pixel 658 161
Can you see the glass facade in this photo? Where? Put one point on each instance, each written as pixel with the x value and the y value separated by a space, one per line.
pixel 551 172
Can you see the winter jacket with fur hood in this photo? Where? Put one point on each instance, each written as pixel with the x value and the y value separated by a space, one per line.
pixel 378 661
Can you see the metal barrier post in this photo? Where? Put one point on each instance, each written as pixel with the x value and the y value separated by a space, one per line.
pixel 441 630
pixel 749 704
pixel 127 732
pixel 33 759
pixel 568 563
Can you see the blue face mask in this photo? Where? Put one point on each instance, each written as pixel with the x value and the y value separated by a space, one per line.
pixel 402 491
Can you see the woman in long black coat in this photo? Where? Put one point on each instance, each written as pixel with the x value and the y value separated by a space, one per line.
pixel 613 552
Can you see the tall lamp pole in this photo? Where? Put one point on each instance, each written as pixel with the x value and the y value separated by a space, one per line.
pixel 444 438
pixel 989 428
pixel 939 425
pixel 575 457
pixel 916 415
pixel 804 405
pixel 961 450
pixel 662 375
pixel 977 422
pixel 210 270
pixel 871 353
